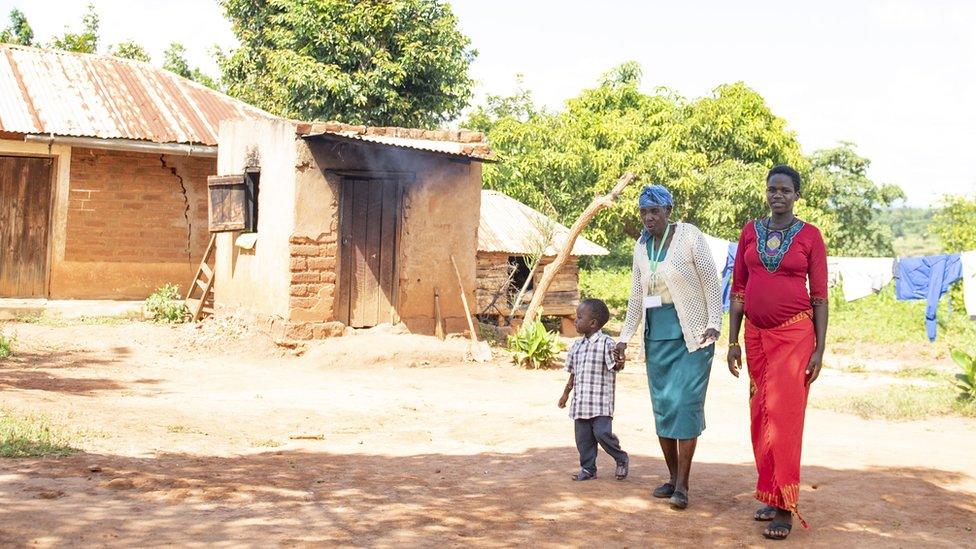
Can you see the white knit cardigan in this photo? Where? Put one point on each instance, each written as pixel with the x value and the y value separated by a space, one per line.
pixel 689 272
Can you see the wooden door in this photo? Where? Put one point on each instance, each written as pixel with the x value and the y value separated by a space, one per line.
pixel 369 228
pixel 25 208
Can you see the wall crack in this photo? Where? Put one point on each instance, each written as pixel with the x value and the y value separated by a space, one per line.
pixel 186 209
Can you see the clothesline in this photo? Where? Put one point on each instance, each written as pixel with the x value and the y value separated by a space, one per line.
pixel 927 277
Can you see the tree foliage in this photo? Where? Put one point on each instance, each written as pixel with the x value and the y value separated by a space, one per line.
pixel 712 152
pixel 955 223
pixel 130 50
pixel 85 41
pixel 839 185
pixel 377 62
pixel 174 60
pixel 19 31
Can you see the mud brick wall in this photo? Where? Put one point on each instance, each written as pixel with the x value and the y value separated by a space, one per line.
pixel 313 287
pixel 132 207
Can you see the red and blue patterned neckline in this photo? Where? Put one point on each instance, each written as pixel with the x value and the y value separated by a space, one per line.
pixel 772 245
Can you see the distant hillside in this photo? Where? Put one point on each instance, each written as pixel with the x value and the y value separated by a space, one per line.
pixel 910 227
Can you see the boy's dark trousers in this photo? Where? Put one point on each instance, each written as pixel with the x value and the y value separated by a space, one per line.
pixel 595 430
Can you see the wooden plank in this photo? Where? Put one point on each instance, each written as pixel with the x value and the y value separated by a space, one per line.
pixel 345 252
pixel 25 210
pixel 401 185
pixel 358 287
pixel 374 228
pixel 8 224
pixel 387 251
pixel 227 203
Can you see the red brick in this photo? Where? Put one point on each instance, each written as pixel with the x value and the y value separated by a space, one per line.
pixel 303 302
pixel 304 250
pixel 304 277
pixel 321 263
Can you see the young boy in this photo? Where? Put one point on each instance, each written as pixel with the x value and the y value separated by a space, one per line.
pixel 593 368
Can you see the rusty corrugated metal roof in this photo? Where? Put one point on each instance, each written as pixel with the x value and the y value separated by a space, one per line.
pixel 460 143
pixel 75 94
pixel 508 226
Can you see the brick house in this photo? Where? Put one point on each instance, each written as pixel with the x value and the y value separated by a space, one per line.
pixel 103 174
pixel 351 226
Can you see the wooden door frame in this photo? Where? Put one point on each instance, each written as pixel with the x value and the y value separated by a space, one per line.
pixel 401 179
pixel 51 204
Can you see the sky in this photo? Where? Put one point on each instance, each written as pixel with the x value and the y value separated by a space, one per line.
pixel 896 77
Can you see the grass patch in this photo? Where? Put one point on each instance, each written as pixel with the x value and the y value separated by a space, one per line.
pixel 882 319
pixel 612 285
pixel 55 322
pixel 900 403
pixel 183 429
pixel 30 436
pixel 6 346
pixel 265 443
pixel 920 373
pixel 856 369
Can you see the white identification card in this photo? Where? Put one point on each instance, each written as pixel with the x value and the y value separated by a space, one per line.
pixel 652 301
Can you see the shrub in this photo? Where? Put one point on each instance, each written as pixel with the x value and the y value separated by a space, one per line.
pixel 6 345
pixel 534 346
pixel 966 381
pixel 166 304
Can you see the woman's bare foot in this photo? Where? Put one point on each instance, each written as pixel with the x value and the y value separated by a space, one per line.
pixel 781 525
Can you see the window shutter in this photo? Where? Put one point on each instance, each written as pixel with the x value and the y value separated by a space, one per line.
pixel 228 202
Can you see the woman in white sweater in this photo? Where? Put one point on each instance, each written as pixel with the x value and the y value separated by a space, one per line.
pixel 677 294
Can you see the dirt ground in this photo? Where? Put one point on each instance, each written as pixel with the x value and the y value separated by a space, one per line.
pixel 196 437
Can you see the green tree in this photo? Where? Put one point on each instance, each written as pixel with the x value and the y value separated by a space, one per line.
pixel 955 223
pixel 562 159
pixel 130 50
pixel 85 41
pixel 19 32
pixel 377 62
pixel 838 185
pixel 174 60
pixel 713 153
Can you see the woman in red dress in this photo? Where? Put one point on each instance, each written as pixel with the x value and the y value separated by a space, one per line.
pixel 786 328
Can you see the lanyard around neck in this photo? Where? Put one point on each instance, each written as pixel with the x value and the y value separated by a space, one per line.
pixel 656 254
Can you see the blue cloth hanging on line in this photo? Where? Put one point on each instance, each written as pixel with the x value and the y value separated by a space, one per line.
pixel 927 278
pixel 727 275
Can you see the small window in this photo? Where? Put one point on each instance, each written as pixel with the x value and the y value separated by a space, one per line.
pixel 520 276
pixel 233 201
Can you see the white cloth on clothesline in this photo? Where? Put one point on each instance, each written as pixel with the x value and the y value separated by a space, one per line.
pixel 720 251
pixel 969 281
pixel 863 276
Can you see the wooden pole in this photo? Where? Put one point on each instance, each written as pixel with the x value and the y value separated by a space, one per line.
pixel 549 273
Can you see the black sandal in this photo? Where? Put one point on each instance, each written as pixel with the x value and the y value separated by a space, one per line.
pixel 679 500
pixel 584 475
pixel 774 526
pixel 623 469
pixel 765 513
pixel 664 491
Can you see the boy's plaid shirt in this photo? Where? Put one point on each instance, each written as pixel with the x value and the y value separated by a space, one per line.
pixel 591 361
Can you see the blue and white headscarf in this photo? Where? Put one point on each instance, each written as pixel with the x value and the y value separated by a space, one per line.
pixel 653 195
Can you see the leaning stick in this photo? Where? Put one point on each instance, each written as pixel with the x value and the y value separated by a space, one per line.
pixel 549 273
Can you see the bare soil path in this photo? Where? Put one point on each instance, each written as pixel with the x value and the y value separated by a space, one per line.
pixel 383 440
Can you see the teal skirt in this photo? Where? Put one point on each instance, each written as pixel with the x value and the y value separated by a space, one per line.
pixel 677 379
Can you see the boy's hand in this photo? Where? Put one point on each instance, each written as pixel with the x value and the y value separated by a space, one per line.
pixel 562 400
pixel 618 364
pixel 621 351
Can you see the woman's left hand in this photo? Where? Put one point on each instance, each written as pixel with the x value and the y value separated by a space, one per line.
pixel 710 334
pixel 813 368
